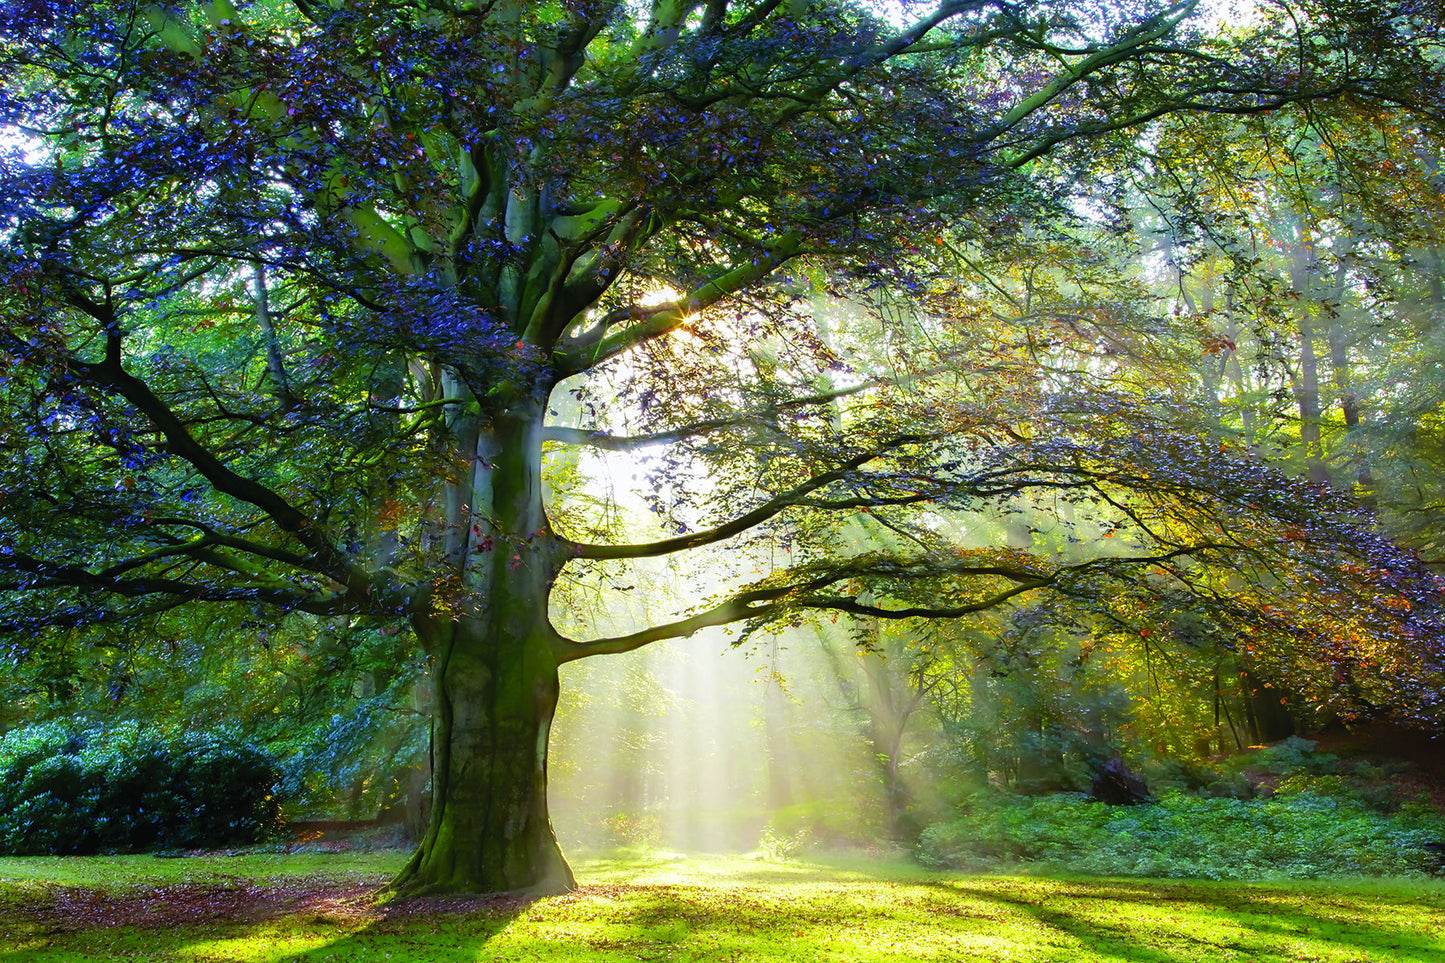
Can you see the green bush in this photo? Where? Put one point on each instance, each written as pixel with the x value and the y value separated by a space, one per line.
pixel 1301 835
pixel 355 764
pixel 126 790
pixel 1291 756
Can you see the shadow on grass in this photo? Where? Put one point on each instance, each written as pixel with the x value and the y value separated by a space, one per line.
pixel 740 910
pixel 1201 921
pixel 431 930
pixel 1042 918
pixel 270 924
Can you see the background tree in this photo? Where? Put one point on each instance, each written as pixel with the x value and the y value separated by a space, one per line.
pixel 294 287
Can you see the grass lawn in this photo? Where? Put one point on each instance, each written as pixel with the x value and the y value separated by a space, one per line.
pixel 318 908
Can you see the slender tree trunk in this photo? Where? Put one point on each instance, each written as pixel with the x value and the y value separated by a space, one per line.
pixel 277 382
pixel 886 722
pixel 1248 417
pixel 1269 719
pixel 1306 384
pixel 494 669
pixel 780 760
pixel 883 725
pixel 1350 410
pixel 1307 394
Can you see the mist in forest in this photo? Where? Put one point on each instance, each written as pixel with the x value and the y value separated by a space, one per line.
pixel 697 745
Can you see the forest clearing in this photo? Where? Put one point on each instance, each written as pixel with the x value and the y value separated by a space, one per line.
pixel 268 909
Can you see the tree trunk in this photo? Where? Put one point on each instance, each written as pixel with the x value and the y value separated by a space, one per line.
pixel 888 715
pixel 1269 718
pixel 780 762
pixel 494 670
pixel 1307 394
pixel 489 831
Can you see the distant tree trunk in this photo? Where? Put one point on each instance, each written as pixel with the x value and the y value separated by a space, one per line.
pixel 1349 406
pixel 1432 262
pixel 1307 382
pixel 1248 417
pixel 627 780
pixel 1436 268
pixel 888 715
pixel 981 699
pixel 1221 705
pixel 775 713
pixel 416 808
pixel 276 379
pixel 1266 709
pixel 1307 394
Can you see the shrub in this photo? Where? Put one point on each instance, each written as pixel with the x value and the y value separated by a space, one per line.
pixel 776 847
pixel 356 764
pixel 126 790
pixel 1301 835
pixel 1291 756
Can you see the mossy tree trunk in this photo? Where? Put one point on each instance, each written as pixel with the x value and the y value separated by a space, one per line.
pixel 494 672
pixel 489 830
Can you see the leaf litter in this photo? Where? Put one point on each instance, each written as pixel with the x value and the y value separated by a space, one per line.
pixel 60 909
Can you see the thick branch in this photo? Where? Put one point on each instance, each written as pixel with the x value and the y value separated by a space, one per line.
pixel 201 547
pixel 854 607
pixel 1048 142
pixel 764 414
pixel 762 603
pixel 872 57
pixel 182 444
pixel 1096 61
pixel 733 610
pixel 755 416
pixel 41 574
pixel 669 317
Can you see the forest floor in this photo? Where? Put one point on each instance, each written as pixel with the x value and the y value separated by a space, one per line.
pixel 320 907
pixel 1381 743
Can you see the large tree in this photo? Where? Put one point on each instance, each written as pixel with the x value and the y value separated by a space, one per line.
pixel 292 288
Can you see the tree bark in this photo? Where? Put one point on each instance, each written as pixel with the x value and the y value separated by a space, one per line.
pixel 494 668
pixel 1307 394
pixel 888 715
pixel 780 762
pixel 489 829
pixel 1307 384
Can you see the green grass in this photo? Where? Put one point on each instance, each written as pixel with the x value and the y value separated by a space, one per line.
pixel 719 909
pixel 120 873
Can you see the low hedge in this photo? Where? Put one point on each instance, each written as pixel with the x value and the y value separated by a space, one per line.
pixel 65 791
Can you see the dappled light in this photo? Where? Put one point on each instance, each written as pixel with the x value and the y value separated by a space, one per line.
pixel 720 909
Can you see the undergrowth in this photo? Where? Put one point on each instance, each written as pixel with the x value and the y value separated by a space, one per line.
pixel 1308 834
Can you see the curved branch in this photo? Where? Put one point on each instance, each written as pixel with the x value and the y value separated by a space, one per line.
pixel 742 523
pixel 763 603
pixel 733 610
pixel 897 45
pixel 41 574
pixel 1097 60
pixel 601 439
pixel 181 443
pixel 669 317
pixel 854 607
